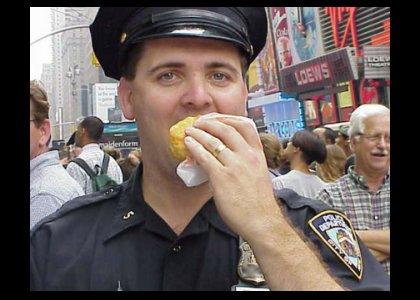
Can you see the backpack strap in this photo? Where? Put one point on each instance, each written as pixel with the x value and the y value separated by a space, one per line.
pixel 84 166
pixel 105 163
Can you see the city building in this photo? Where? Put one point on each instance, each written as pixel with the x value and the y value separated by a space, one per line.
pixel 328 61
pixel 74 70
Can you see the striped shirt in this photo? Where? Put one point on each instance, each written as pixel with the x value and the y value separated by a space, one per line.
pixel 93 156
pixel 50 186
pixel 366 210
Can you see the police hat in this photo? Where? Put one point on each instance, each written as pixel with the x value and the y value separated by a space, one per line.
pixel 116 29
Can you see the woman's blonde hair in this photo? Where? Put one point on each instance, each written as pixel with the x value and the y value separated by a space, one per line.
pixel 333 166
pixel 273 150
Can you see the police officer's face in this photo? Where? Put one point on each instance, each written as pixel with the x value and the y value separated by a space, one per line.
pixel 180 77
pixel 372 149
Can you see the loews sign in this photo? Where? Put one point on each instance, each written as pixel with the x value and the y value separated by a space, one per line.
pixel 335 67
pixel 377 62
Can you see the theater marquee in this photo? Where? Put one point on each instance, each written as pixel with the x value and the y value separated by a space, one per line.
pixel 315 74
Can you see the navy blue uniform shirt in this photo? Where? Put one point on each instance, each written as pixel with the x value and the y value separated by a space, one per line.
pixel 113 240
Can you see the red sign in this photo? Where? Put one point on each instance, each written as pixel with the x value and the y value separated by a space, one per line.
pixel 328 109
pixel 281 36
pixel 336 16
pixel 326 70
pixel 313 73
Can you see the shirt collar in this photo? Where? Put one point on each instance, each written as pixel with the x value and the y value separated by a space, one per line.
pixel 132 209
pixel 360 179
pixel 45 159
pixel 90 146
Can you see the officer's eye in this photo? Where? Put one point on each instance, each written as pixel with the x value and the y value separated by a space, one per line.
pixel 219 76
pixel 167 76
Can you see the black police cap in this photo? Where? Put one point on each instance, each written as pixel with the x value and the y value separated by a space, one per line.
pixel 116 29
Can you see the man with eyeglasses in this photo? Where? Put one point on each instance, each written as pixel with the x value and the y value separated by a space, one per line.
pixel 51 186
pixel 364 193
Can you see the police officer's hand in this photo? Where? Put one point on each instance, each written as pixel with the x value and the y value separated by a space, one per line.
pixel 238 175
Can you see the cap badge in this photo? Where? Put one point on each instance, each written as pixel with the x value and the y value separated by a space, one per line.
pixel 189 30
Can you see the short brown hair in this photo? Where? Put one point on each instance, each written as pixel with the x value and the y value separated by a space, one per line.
pixel 312 147
pixel 40 104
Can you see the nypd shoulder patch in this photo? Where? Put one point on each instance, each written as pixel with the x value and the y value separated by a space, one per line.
pixel 335 230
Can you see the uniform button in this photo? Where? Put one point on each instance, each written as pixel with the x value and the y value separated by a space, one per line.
pixel 375 218
pixel 176 249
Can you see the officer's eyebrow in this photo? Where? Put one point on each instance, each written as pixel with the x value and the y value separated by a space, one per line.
pixel 212 65
pixel 215 65
pixel 165 65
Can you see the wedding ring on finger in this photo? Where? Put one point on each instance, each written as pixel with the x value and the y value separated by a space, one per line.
pixel 218 149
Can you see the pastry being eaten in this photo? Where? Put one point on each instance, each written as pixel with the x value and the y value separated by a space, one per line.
pixel 176 138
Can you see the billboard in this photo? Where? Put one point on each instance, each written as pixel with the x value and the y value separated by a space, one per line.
pixel 282 117
pixel 281 36
pixel 377 61
pixel 122 136
pixel 104 95
pixel 305 33
pixel 326 70
pixel 312 117
pixel 262 73
pixel 328 109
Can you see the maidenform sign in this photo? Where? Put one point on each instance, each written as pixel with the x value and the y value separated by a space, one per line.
pixel 315 74
pixel 377 61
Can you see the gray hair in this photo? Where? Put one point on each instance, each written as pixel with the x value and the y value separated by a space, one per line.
pixel 361 113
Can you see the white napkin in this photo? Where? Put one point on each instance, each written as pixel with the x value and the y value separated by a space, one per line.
pixel 188 170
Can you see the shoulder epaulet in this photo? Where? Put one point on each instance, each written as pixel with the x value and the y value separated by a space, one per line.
pixel 80 202
pixel 294 200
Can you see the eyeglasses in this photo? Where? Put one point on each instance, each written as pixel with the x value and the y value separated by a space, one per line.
pixel 375 138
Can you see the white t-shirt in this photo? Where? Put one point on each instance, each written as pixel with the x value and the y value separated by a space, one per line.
pixel 306 185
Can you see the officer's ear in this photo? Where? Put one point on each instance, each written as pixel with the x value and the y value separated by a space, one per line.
pixel 126 98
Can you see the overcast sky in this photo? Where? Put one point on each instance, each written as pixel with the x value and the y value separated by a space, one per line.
pixel 40 52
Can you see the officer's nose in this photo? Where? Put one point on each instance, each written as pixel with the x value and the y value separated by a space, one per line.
pixel 197 95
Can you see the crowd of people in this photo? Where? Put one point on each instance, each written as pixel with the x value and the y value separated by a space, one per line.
pixel 351 175
pixel 56 177
pixel 273 214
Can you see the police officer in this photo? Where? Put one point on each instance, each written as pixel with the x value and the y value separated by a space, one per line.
pixel 231 232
